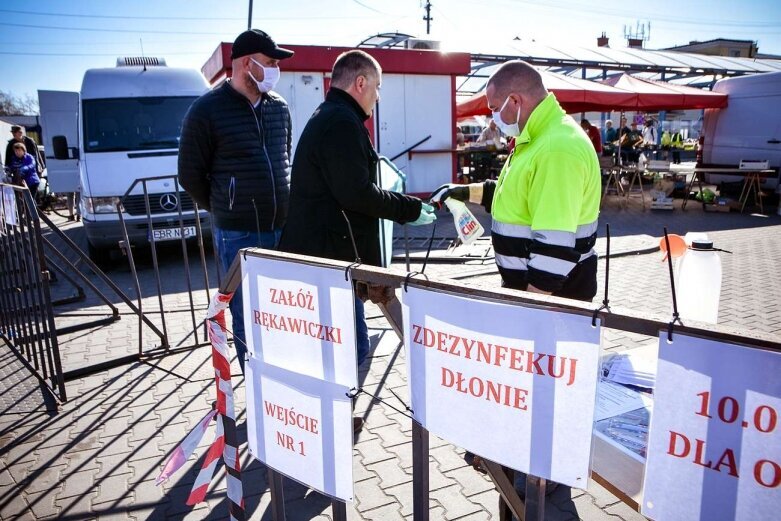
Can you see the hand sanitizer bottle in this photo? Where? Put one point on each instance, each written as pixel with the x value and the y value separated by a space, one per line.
pixel 469 229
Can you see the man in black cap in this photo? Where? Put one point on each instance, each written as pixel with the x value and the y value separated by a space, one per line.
pixel 29 145
pixel 234 157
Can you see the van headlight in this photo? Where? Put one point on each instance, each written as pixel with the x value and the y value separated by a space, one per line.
pixel 102 204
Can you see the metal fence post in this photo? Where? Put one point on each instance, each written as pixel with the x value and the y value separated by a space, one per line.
pixel 420 476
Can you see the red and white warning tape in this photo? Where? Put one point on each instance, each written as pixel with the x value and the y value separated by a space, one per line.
pixel 225 442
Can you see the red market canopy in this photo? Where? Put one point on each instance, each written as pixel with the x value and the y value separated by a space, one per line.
pixel 622 92
pixel 658 95
pixel 574 95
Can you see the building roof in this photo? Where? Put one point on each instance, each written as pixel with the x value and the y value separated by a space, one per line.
pixel 714 40
pixel 319 58
pixel 599 62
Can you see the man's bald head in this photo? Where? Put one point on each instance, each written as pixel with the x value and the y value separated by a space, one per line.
pixel 513 92
pixel 519 77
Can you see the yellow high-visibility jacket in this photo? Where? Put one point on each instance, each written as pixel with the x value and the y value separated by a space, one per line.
pixel 545 203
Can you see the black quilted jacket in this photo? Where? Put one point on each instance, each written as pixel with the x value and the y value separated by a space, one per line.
pixel 234 159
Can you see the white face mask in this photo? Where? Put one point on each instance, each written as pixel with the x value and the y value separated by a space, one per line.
pixel 508 129
pixel 270 77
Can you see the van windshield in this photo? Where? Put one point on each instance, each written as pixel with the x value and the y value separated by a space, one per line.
pixel 112 125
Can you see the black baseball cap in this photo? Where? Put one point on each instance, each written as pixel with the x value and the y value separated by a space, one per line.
pixel 254 41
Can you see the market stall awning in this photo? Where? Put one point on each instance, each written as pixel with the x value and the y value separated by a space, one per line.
pixel 574 95
pixel 658 95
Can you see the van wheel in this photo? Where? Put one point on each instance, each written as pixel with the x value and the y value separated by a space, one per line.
pixel 100 256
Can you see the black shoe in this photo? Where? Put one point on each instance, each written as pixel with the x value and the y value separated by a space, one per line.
pixel 475 461
pixel 357 424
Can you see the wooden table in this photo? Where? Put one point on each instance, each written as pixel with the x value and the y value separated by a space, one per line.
pixel 614 177
pixel 751 182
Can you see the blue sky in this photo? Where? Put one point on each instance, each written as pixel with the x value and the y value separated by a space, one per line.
pixel 49 44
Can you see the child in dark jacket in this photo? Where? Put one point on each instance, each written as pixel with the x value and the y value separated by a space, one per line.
pixel 23 169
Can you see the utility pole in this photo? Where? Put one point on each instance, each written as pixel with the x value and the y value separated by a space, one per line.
pixel 249 18
pixel 428 18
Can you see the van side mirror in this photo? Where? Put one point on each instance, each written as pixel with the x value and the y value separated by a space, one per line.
pixel 60 145
pixel 62 150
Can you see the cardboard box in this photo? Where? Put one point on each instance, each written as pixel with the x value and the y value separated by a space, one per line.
pixel 621 467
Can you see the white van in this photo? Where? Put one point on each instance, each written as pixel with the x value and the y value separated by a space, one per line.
pixel 748 129
pixel 126 126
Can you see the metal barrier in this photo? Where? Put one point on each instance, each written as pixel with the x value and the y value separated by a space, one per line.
pixel 26 314
pixel 533 509
pixel 142 205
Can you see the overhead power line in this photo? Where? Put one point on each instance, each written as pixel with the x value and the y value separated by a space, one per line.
pixel 93 29
pixel 191 18
pixel 370 8
pixel 92 43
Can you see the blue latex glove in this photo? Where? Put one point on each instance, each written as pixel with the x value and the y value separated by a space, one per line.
pixel 427 215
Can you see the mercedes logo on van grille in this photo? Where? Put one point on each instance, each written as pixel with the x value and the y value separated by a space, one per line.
pixel 169 202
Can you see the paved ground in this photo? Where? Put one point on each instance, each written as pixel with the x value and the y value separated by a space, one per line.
pixel 97 456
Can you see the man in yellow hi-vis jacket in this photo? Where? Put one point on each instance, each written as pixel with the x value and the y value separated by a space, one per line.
pixel 676 143
pixel 545 203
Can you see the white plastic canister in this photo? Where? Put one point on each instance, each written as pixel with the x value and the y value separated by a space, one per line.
pixel 698 283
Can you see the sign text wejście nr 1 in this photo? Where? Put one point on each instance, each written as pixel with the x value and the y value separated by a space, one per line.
pixel 301 427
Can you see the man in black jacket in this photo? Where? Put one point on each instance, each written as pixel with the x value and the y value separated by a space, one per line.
pixel 334 197
pixel 234 157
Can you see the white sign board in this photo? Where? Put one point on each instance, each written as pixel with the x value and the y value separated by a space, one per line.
pixel 714 448
pixel 512 384
pixel 9 206
pixel 301 427
pixel 300 318
pixel 300 324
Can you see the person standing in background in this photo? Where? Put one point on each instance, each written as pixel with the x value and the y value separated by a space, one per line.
pixel 490 134
pixel 610 133
pixel 593 134
pixel 30 146
pixel 676 144
pixel 650 136
pixel 23 169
